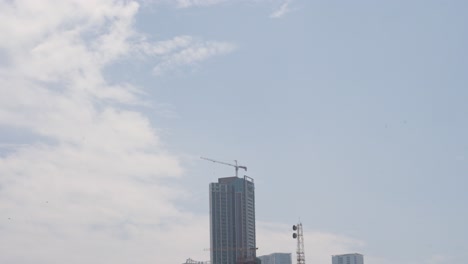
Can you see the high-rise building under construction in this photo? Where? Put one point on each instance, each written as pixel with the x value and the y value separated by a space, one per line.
pixel 232 221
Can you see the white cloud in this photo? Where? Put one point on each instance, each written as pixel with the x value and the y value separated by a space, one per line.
pixel 186 3
pixel 191 3
pixel 282 10
pixel 318 246
pixel 87 188
pixel 166 46
pixel 186 50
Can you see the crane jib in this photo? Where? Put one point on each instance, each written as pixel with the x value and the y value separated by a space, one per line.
pixel 225 163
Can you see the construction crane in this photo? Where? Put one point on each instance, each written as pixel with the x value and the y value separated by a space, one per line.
pixel 225 163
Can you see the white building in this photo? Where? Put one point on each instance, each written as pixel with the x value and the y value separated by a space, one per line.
pixel 276 258
pixel 353 258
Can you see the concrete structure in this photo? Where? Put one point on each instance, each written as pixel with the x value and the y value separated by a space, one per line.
pixel 232 221
pixel 353 258
pixel 276 258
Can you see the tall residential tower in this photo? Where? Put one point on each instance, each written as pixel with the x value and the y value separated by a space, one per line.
pixel 232 221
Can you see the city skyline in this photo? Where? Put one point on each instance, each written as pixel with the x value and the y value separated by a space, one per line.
pixel 350 115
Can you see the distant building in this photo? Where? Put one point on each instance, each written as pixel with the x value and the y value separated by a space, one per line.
pixel 276 258
pixel 191 261
pixel 353 258
pixel 232 221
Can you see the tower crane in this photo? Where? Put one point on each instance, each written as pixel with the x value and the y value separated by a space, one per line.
pixel 225 163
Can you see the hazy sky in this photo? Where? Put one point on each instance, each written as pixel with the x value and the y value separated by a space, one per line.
pixel 350 115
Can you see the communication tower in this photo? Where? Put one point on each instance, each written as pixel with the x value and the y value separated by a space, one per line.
pixel 300 243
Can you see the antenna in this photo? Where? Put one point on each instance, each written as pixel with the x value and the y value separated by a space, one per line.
pixel 300 243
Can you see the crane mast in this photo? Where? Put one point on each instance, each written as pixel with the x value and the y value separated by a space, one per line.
pixel 225 163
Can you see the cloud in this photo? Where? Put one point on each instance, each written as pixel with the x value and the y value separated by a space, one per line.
pixel 87 186
pixel 318 245
pixel 191 3
pixel 185 3
pixel 186 50
pixel 282 10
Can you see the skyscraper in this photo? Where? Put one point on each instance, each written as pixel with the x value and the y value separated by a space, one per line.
pixel 232 221
pixel 354 258
pixel 276 258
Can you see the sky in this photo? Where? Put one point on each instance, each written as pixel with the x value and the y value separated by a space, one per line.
pixel 351 116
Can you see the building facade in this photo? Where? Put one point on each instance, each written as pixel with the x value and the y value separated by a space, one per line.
pixel 353 258
pixel 232 221
pixel 276 258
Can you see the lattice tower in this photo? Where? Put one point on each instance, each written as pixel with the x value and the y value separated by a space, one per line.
pixel 300 245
